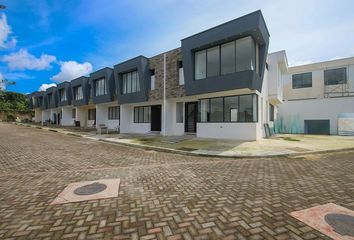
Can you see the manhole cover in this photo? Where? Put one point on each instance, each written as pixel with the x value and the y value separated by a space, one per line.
pixel 89 189
pixel 341 223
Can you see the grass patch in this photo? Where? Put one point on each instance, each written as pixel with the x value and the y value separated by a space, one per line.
pixel 74 135
pixel 52 130
pixel 39 127
pixel 290 139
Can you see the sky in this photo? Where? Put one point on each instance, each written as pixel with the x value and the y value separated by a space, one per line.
pixel 43 43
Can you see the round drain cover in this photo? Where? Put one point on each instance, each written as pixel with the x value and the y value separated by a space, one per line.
pixel 89 189
pixel 341 223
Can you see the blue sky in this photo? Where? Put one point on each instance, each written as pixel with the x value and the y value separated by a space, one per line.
pixel 45 42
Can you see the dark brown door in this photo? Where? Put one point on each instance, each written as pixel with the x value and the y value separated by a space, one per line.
pixel 156 118
pixel 191 113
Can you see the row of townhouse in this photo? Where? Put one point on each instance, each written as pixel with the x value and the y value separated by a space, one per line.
pixel 221 83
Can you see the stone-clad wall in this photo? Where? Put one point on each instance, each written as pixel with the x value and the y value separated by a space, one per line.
pixel 173 89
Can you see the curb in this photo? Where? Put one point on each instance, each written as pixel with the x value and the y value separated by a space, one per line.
pixel 186 153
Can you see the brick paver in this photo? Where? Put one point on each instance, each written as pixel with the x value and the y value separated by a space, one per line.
pixel 161 196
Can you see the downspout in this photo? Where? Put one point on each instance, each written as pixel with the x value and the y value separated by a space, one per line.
pixel 164 95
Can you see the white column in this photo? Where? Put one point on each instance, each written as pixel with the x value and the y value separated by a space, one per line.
pixel 81 115
pixel 164 97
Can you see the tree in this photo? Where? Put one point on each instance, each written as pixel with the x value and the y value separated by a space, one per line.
pixel 13 101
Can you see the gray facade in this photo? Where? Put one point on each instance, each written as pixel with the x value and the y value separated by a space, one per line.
pixel 84 83
pixel 42 101
pixel 51 96
pixel 253 25
pixel 107 74
pixel 66 87
pixel 140 64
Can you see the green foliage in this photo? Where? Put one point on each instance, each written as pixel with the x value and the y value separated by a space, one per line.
pixel 13 101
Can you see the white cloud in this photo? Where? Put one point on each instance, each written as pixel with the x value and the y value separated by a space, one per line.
pixel 5 32
pixel 23 60
pixel 72 69
pixel 44 86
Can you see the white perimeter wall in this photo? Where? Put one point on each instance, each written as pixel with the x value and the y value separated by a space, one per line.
pixel 241 131
pixel 67 119
pixel 102 116
pixel 316 109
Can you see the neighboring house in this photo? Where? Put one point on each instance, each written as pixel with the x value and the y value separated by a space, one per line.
pixel 317 96
pixel 221 83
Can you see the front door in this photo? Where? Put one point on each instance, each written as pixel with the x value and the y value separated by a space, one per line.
pixel 191 111
pixel 156 118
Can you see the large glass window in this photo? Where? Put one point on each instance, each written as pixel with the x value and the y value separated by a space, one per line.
pixel 245 54
pixel 73 113
pixel 204 110
pixel 179 112
pixel 200 64
pixel 302 80
pixel 231 57
pixel 213 61
pixel 78 93
pixel 101 88
pixel 130 82
pixel 229 109
pixel 246 108
pixel 62 95
pixel 335 76
pixel 142 114
pixel 216 110
pixel 228 58
pixel 113 113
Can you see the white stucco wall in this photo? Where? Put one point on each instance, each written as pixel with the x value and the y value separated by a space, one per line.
pixel 127 124
pixel 241 131
pixel 295 112
pixel 45 115
pixel 67 119
pixel 37 115
pixel 172 127
pixel 81 115
pixel 102 116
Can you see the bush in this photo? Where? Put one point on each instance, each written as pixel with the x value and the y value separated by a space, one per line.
pixel 10 118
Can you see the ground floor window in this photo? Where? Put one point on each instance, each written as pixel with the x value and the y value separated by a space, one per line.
pixel 142 114
pixel 113 113
pixel 92 114
pixel 241 108
pixel 74 113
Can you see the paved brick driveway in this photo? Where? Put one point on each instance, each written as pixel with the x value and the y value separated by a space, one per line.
pixel 161 195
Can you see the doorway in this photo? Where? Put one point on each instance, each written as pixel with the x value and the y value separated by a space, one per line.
pixel 191 113
pixel 156 118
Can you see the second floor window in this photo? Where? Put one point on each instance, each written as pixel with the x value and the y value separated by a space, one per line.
pixel 78 93
pixel 302 80
pixel 335 76
pixel 130 82
pixel 62 95
pixel 50 98
pixel 231 57
pixel 100 87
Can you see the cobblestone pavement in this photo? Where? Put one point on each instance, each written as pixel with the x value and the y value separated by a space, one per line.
pixel 161 196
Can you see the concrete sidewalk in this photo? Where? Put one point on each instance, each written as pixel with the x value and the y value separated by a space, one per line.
pixel 281 144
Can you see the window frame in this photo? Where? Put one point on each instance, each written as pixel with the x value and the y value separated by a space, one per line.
pixel 98 85
pixel 91 110
pixel 113 113
pixel 326 82
pixel 255 120
pixel 76 91
pixel 254 55
pixel 179 112
pixel 297 86
pixel 136 114
pixel 127 79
